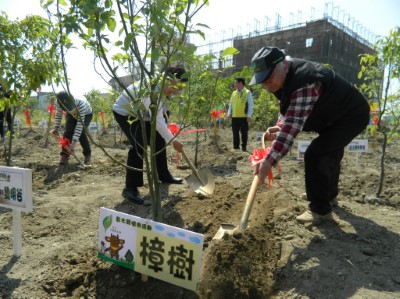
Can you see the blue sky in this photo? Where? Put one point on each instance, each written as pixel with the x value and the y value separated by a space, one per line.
pixel 377 16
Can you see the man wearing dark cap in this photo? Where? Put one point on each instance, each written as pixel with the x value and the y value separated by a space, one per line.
pixel 312 98
pixel 133 131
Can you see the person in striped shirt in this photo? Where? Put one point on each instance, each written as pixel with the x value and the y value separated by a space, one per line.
pixel 313 98
pixel 78 114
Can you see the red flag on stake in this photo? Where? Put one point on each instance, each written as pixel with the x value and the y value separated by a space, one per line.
pixel 173 128
pixel 64 143
pixel 28 117
pixel 259 154
pixel 51 110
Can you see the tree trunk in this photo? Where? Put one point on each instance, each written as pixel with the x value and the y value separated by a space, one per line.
pixel 382 174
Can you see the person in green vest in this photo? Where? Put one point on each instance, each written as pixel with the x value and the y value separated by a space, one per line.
pixel 240 111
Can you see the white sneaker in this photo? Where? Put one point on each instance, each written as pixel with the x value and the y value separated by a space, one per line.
pixel 314 218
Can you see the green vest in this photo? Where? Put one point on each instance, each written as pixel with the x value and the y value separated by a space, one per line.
pixel 239 101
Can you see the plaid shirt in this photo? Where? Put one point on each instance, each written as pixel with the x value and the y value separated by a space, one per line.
pixel 301 105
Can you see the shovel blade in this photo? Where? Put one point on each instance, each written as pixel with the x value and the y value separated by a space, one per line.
pixel 225 228
pixel 205 186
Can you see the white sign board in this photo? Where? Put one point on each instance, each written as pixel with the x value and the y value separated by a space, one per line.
pixel 16 188
pixel 301 148
pixel 259 135
pixel 358 146
pixel 17 123
pixel 43 124
pixel 94 127
pixel 113 123
pixel 155 249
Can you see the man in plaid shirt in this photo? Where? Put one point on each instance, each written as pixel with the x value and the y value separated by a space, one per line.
pixel 312 98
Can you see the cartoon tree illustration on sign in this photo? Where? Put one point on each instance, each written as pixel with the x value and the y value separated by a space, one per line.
pixel 129 256
pixel 107 221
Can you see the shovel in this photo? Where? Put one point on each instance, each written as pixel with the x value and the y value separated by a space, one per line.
pixel 227 228
pixel 230 228
pixel 201 181
pixel 72 154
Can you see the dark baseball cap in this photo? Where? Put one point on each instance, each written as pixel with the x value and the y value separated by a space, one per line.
pixel 264 62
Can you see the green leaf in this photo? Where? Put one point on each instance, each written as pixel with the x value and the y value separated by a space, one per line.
pixel 111 24
pixel 230 51
pixel 128 40
pixel 155 54
pixel 203 25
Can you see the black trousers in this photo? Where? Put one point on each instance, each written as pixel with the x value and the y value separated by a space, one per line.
pixel 5 117
pixel 70 125
pixel 133 132
pixel 240 124
pixel 323 157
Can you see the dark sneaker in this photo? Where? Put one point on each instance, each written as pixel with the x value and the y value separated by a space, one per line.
pixel 63 160
pixel 87 160
pixel 172 180
pixel 132 195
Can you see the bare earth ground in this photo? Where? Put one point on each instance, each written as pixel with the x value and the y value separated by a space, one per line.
pixel 358 256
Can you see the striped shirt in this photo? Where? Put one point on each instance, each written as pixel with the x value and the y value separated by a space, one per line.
pixel 82 107
pixel 301 105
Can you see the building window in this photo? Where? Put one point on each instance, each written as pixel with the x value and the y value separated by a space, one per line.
pixel 309 42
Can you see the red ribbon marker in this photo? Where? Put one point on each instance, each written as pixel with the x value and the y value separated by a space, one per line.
pixel 28 117
pixel 173 128
pixel 258 155
pixel 51 109
pixel 214 113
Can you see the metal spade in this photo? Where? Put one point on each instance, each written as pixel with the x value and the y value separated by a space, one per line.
pixel 227 228
pixel 202 180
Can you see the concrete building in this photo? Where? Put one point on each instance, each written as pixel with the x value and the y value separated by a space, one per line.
pixel 319 41
pixel 333 38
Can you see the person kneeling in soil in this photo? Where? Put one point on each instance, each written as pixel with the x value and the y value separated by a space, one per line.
pixel 312 98
pixel 78 111
pixel 133 131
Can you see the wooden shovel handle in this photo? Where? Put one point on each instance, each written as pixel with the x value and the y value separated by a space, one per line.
pixel 71 153
pixel 191 166
pixel 249 203
pixel 263 140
